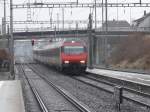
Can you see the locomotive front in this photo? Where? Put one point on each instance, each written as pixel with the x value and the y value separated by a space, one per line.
pixel 74 56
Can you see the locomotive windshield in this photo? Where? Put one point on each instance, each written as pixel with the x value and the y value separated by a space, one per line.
pixel 73 49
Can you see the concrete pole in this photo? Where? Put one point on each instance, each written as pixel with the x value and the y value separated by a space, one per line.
pixel 63 18
pixel 105 39
pixel 58 21
pixel 97 51
pixel 95 16
pixel 90 45
pixel 2 26
pixel 77 2
pixel 51 19
pixel 77 29
pixel 11 41
pixel 4 17
pixel 102 12
pixel 106 16
pixel 7 29
pixel 55 34
pixel 117 11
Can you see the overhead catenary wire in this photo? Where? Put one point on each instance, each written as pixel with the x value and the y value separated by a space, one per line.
pixel 71 1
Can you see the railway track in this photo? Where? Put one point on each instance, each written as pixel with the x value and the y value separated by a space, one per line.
pixel 127 93
pixel 136 81
pixel 131 95
pixel 77 104
pixel 140 98
pixel 35 92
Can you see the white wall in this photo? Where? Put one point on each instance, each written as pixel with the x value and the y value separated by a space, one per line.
pixel 145 23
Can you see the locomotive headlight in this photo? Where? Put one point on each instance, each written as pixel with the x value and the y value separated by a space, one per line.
pixel 66 62
pixel 82 61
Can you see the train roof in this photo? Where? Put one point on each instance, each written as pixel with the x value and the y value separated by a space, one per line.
pixel 57 44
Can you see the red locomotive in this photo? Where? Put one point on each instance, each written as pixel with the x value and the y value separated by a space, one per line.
pixel 65 55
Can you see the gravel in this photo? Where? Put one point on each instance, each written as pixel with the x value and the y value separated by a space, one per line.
pixel 96 99
pixel 52 99
pixel 31 104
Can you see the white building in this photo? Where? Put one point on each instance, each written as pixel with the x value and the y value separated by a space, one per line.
pixel 114 25
pixel 143 23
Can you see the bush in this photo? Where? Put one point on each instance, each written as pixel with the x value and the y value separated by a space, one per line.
pixel 130 49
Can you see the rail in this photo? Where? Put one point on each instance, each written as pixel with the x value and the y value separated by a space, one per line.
pixel 120 90
pixel 79 105
pixel 35 92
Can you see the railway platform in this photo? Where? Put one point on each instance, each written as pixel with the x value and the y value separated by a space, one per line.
pixel 11 98
pixel 139 78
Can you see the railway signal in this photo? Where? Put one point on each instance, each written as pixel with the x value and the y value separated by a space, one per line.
pixel 32 42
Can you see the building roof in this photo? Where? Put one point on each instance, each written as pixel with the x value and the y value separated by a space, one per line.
pixel 142 18
pixel 114 23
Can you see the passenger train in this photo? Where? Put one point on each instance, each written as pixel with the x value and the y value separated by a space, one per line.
pixel 65 55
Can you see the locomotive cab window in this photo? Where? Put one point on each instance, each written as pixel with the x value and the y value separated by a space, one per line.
pixel 73 49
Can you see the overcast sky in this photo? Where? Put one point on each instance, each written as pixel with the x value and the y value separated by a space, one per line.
pixel 128 14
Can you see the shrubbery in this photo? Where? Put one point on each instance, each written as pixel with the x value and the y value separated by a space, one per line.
pixel 132 49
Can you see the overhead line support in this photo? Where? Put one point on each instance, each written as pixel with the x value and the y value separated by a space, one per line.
pixel 79 5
